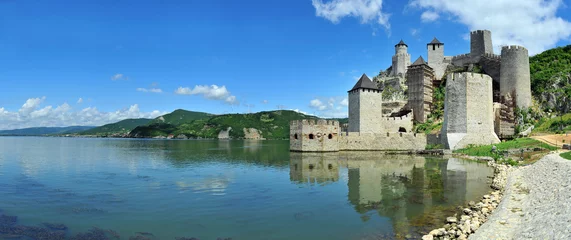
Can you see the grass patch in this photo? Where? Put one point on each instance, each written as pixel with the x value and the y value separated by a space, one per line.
pixel 553 124
pixel 519 143
pixel 566 155
pixel 486 150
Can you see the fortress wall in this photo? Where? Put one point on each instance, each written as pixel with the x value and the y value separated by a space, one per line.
pixel 468 111
pixel 394 124
pixel 382 141
pixel 462 60
pixel 515 75
pixel 314 136
pixel 491 64
pixel 481 42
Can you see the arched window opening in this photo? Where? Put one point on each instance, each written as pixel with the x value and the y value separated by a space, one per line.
pixel 330 166
pixel 433 47
pixel 311 136
pixel 310 166
pixel 401 129
pixel 330 136
pixel 295 136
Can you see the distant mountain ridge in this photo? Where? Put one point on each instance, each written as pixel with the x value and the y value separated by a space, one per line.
pixel 118 128
pixel 261 125
pixel 39 131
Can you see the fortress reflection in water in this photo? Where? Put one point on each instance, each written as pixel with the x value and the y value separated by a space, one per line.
pixel 404 188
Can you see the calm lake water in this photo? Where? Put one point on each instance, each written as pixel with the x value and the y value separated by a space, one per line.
pixel 225 189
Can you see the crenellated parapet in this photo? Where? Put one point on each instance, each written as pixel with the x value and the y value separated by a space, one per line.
pixel 314 122
pixel 492 56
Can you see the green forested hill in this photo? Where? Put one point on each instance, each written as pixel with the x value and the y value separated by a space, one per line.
pixel 121 127
pixel 272 124
pixel 180 116
pixel 551 78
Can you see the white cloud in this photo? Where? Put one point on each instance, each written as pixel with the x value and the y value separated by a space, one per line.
pixel 80 101
pixel 63 115
pixel 333 107
pixel 429 16
pixel 366 10
pixel 153 90
pixel 264 101
pixel 31 105
pixel 531 23
pixel 414 32
pixel 317 104
pixel 212 92
pixel 119 76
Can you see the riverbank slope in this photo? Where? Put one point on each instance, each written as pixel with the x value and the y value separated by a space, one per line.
pixel 536 203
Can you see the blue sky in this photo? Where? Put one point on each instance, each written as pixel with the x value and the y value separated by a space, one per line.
pixel 94 62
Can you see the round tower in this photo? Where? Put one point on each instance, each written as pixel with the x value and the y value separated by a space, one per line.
pixel 515 76
pixel 480 43
pixel 401 59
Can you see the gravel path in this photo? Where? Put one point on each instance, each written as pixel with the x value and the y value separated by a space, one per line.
pixel 536 203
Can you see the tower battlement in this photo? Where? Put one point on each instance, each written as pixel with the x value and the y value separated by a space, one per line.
pixel 514 48
pixel 478 32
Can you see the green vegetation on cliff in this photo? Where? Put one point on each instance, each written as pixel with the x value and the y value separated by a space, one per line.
pixel 566 155
pixel 121 127
pixel 271 125
pixel 551 72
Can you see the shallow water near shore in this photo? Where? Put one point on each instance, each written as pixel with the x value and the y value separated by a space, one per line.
pixel 209 189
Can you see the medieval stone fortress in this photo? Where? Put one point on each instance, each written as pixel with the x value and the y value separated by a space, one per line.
pixel 478 108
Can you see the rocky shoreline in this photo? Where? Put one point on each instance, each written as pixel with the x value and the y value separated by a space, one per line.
pixel 474 214
pixel 529 202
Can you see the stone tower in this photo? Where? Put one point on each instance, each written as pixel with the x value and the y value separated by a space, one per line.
pixel 468 111
pixel 401 59
pixel 515 76
pixel 435 51
pixel 480 43
pixel 365 107
pixel 419 81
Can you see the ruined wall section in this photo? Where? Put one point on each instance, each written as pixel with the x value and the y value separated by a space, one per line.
pixel 365 109
pixel 314 136
pixel 481 43
pixel 515 75
pixel 420 90
pixel 468 111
